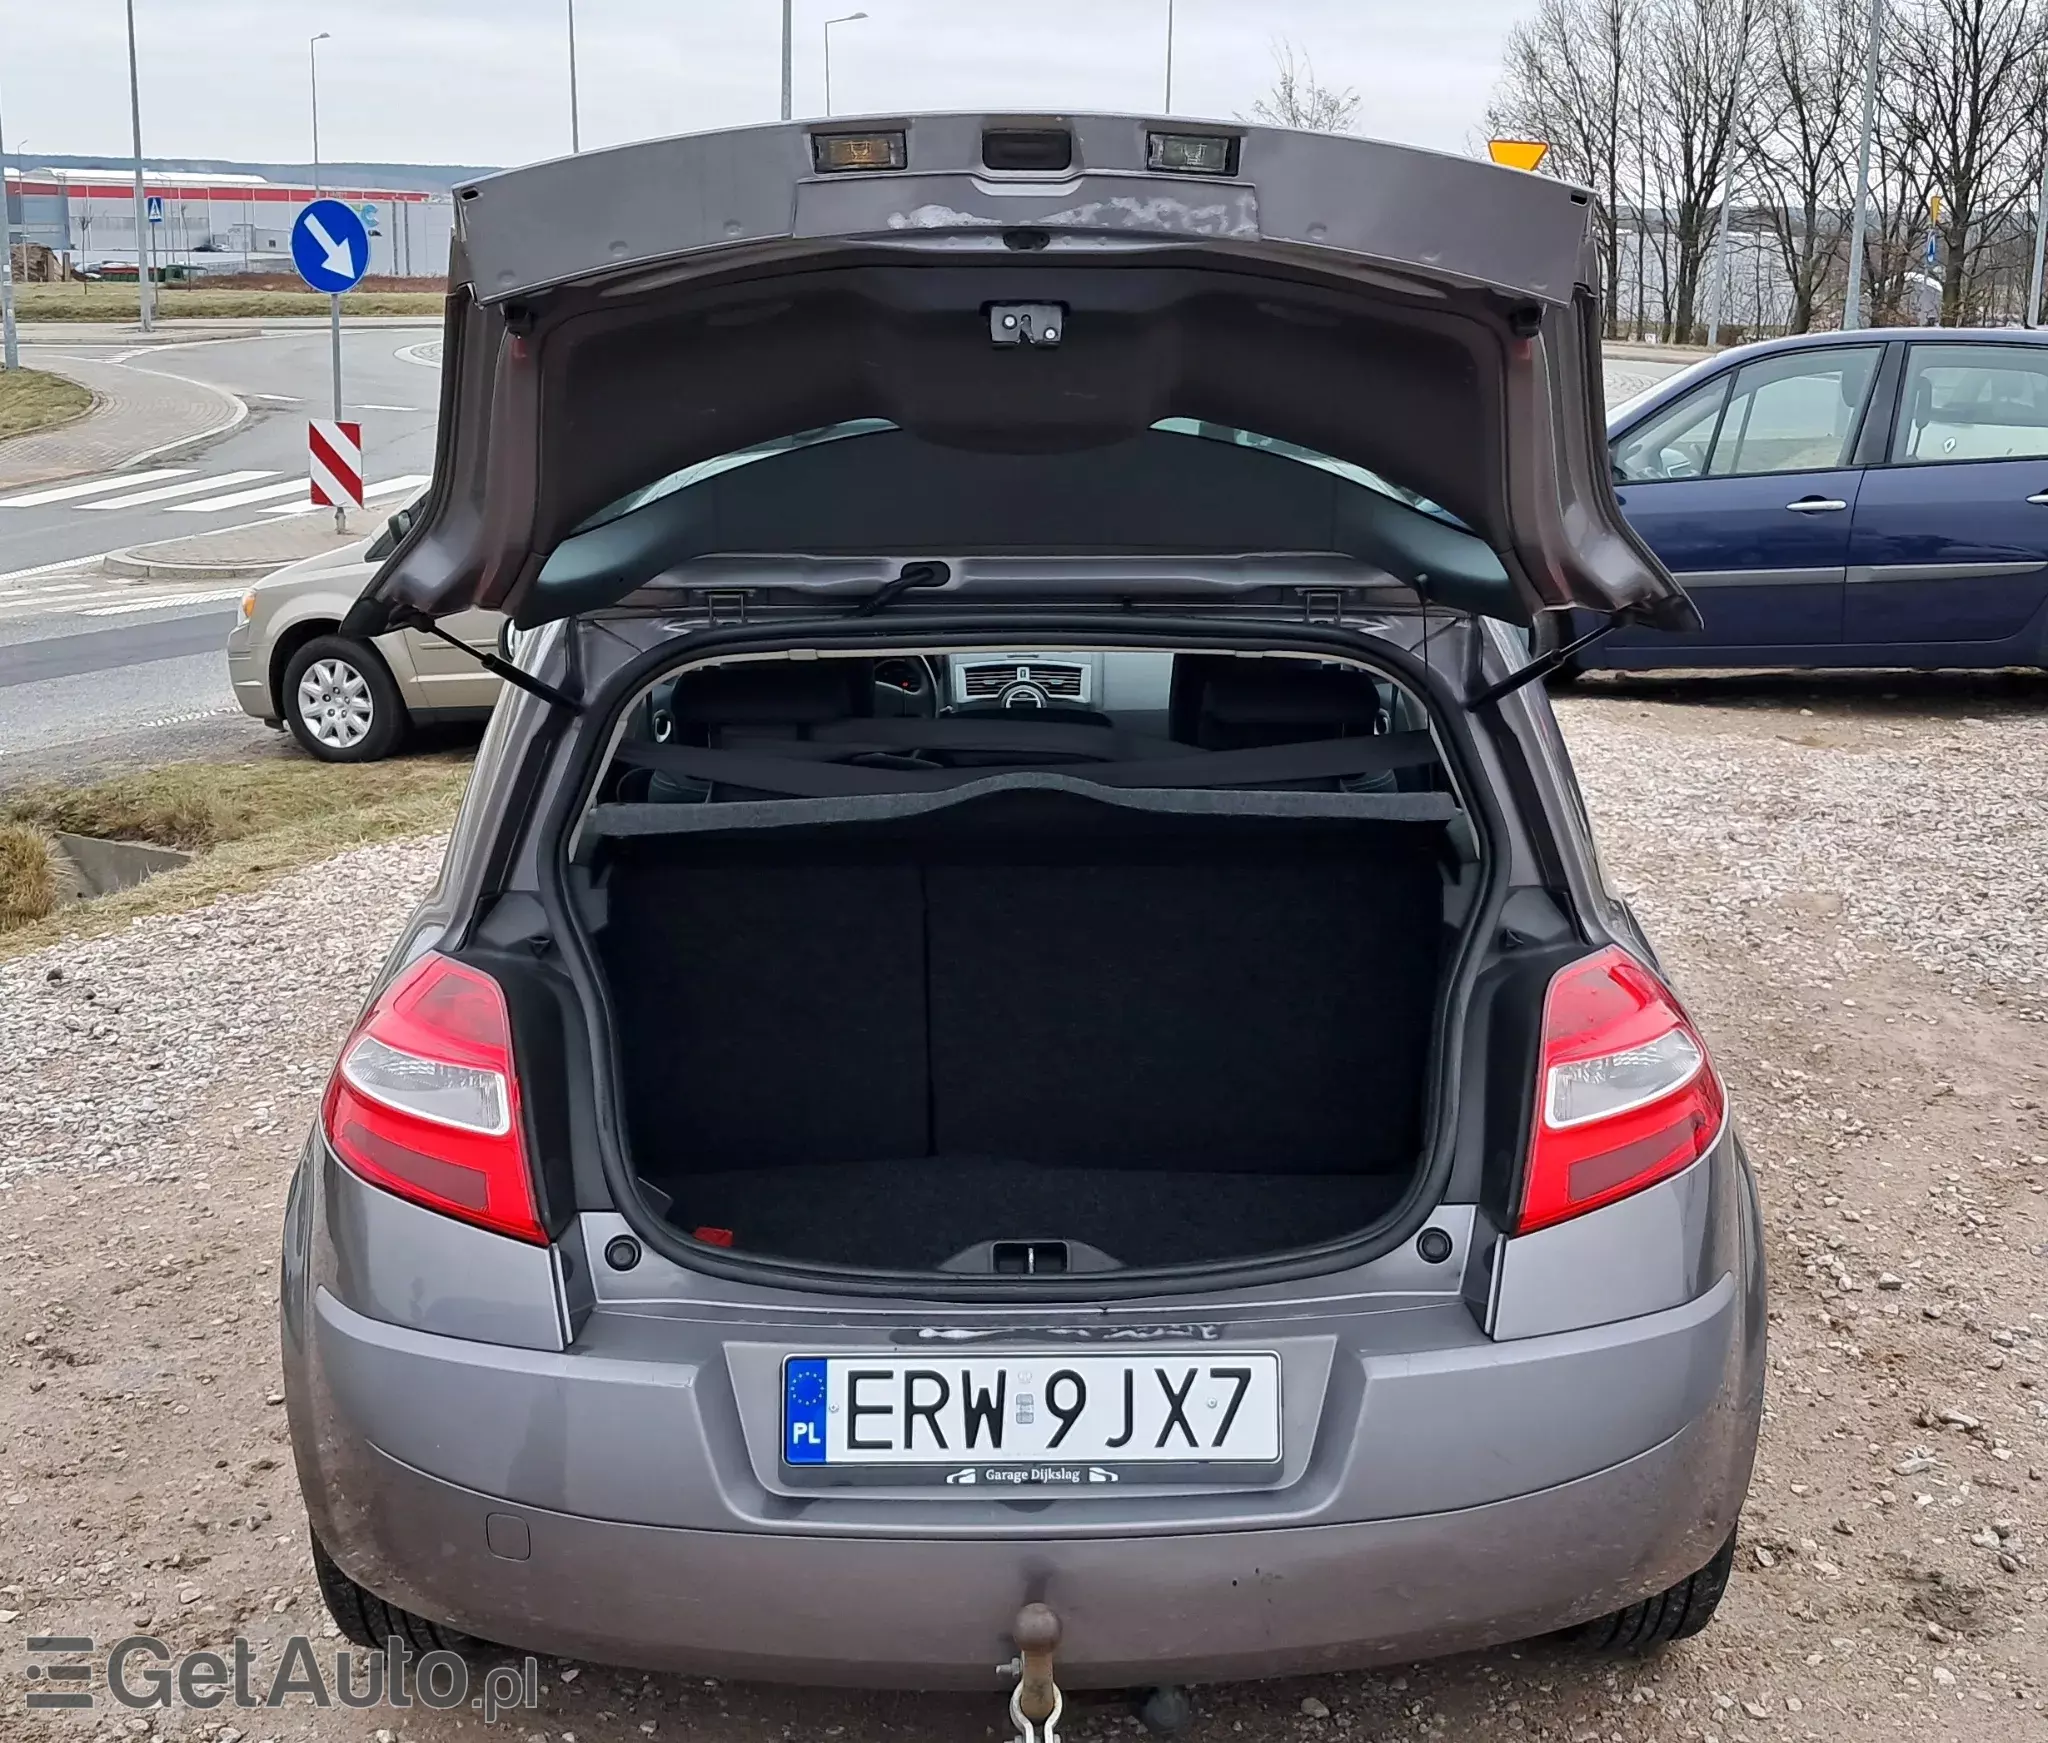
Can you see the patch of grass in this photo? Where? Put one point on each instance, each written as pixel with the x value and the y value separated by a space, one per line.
pixel 28 882
pixel 34 399
pixel 81 301
pixel 248 823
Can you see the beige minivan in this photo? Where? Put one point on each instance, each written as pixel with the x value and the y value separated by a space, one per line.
pixel 350 701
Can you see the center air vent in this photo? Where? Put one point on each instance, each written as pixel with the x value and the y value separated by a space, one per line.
pixel 988 680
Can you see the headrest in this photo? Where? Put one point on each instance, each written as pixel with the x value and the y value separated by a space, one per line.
pixel 1287 692
pixel 776 692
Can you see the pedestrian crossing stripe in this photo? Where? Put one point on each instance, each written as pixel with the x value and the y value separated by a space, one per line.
pixel 212 596
pixel 69 492
pixel 183 490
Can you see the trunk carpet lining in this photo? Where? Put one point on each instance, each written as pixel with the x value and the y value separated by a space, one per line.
pixel 1199 1046
pixel 914 1215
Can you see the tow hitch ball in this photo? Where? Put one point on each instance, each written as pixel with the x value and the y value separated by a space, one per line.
pixel 1036 1702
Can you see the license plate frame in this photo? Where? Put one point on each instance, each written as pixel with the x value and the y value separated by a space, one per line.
pixel 816 1388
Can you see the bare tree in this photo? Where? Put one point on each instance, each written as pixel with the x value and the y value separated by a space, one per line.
pixel 1299 99
pixel 1564 79
pixel 1802 137
pixel 1899 188
pixel 1970 71
pixel 1692 51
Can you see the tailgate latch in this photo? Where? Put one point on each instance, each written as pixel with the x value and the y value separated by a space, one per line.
pixel 1026 323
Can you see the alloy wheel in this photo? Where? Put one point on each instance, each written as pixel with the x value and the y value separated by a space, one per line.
pixel 335 703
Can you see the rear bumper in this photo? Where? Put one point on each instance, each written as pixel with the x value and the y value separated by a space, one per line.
pixel 581 1502
pixel 925 1613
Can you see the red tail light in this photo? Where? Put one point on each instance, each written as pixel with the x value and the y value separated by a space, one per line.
pixel 425 1101
pixel 1626 1095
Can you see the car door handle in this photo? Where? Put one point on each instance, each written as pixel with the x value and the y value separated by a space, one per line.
pixel 1816 505
pixel 2039 499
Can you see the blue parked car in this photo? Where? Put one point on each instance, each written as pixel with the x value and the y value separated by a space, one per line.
pixel 1876 498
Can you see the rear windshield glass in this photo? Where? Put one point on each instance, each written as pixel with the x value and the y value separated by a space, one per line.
pixel 672 482
pixel 901 726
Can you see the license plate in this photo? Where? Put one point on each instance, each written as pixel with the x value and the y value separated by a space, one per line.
pixel 1028 1419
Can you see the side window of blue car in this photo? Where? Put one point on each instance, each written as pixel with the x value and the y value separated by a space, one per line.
pixel 1675 442
pixel 1972 402
pixel 1796 412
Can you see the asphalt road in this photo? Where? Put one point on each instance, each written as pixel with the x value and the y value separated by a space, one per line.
pixel 283 378
pixel 96 674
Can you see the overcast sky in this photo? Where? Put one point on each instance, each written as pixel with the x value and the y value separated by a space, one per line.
pixel 486 81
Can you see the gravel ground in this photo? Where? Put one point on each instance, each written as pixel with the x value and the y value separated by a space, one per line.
pixel 1847 883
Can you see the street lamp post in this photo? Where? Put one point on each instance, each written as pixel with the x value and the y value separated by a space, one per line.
pixel 575 122
pixel 1852 301
pixel 2040 248
pixel 145 293
pixel 313 76
pixel 788 6
pixel 10 348
pixel 1168 110
pixel 847 18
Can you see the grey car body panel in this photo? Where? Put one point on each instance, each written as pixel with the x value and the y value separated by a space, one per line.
pixel 1488 270
pixel 1656 1253
pixel 666 1409
pixel 1400 207
pixel 669 1423
pixel 915 1612
pixel 655 1287
pixel 409 1267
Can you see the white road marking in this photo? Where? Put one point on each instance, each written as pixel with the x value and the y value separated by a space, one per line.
pixel 388 408
pixel 93 487
pixel 410 481
pixel 209 597
pixel 191 487
pixel 276 398
pixel 235 499
pixel 28 595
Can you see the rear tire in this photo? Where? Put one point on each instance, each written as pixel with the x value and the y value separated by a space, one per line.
pixel 341 702
pixel 366 1619
pixel 1673 1614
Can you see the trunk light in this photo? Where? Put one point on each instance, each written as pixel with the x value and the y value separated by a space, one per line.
pixel 1192 154
pixel 837 152
pixel 1628 1095
pixel 425 1101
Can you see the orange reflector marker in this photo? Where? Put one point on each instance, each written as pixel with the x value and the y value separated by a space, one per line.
pixel 1518 153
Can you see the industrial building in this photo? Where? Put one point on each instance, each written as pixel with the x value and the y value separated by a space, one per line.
pixel 215 223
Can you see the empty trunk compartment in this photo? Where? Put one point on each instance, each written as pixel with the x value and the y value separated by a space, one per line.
pixel 1027 1017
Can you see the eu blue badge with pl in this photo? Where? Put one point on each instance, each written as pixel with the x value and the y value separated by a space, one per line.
pixel 330 247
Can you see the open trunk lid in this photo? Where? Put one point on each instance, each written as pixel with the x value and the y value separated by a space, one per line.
pixel 1027 307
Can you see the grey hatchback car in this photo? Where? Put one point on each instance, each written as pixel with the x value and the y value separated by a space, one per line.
pixel 1020 1048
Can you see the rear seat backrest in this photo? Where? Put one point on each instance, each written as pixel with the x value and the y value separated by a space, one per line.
pixel 1231 704
pixel 775 699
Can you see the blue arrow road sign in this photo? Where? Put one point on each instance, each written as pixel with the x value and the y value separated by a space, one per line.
pixel 156 208
pixel 330 247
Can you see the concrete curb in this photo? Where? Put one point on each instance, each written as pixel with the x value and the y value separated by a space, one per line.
pixel 132 565
pixel 101 440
